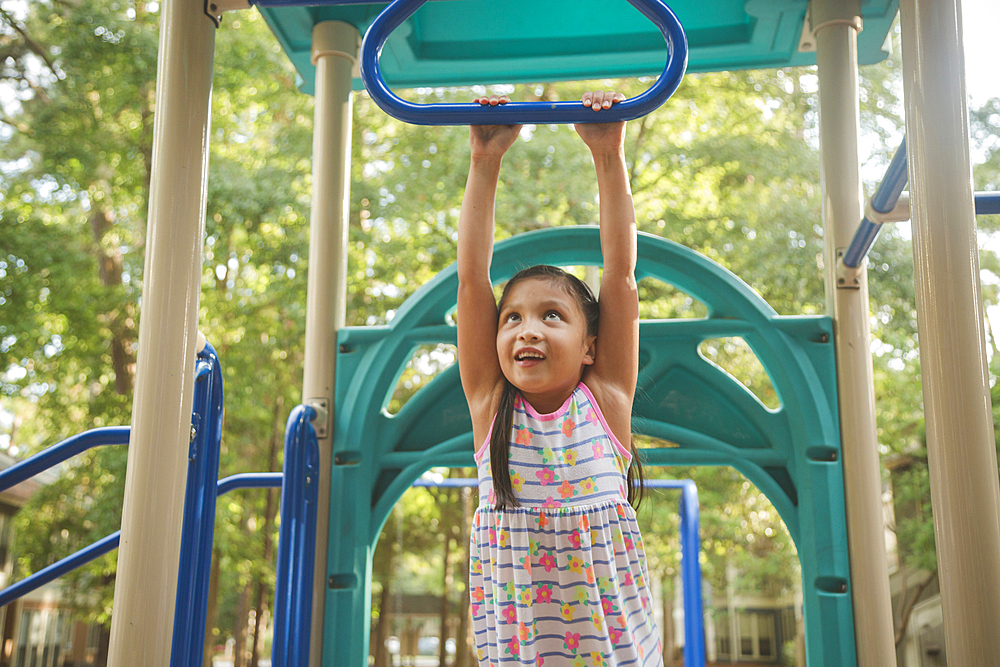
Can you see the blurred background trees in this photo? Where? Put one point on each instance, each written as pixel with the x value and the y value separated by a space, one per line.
pixel 729 166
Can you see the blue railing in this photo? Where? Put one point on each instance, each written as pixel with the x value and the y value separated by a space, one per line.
pixel 694 617
pixel 885 199
pixel 520 112
pixel 297 534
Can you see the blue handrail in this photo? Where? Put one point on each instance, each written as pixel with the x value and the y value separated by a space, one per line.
pixel 191 606
pixel 296 542
pixel 110 543
pixel 62 451
pixel 694 617
pixel 883 201
pixel 515 113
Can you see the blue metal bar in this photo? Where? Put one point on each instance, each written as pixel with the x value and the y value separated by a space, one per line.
pixel 250 480
pixel 191 607
pixel 520 112
pixel 296 542
pixel 987 203
pixel 110 543
pixel 59 568
pixel 694 617
pixel 883 201
pixel 61 451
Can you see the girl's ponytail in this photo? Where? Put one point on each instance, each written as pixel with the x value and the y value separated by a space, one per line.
pixel 500 449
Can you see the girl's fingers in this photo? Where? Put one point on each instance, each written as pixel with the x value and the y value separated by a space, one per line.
pixel 600 99
pixel 491 100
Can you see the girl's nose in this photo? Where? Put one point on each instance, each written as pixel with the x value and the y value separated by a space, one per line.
pixel 528 332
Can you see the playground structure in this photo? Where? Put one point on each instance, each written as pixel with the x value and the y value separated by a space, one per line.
pixel 816 457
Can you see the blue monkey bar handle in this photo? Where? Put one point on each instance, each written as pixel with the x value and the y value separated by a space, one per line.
pixel 515 113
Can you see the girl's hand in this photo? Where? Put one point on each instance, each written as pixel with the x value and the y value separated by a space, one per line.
pixel 492 140
pixel 602 137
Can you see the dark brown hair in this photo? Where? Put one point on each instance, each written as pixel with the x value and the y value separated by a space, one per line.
pixel 504 421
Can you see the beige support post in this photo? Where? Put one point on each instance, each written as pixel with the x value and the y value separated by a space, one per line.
pixel 146 586
pixel 961 453
pixel 335 53
pixel 836 24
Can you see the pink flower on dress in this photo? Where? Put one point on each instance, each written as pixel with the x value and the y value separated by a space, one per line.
pixel 493 537
pixel 567 490
pixel 608 605
pixel 591 416
pixel 598 450
pixel 572 641
pixel 510 613
pixel 629 545
pixel 551 503
pixel 567 426
pixel 546 476
pixel 514 647
pixel 544 593
pixel 615 635
pixel 574 539
pixel 548 561
pixel 628 579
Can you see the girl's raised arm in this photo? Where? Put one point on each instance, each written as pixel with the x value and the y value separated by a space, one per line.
pixel 478 363
pixel 615 371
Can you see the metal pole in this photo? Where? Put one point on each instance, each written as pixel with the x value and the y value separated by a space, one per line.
pixel 146 585
pixel 961 453
pixel 335 53
pixel 836 24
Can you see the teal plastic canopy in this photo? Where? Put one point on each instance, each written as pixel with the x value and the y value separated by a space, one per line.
pixel 791 453
pixel 467 42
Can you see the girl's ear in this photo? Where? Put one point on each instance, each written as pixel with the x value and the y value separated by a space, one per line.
pixel 590 351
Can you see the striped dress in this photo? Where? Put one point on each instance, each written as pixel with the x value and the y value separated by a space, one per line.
pixel 561 580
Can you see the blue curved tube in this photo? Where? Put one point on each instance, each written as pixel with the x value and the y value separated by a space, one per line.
pixel 515 113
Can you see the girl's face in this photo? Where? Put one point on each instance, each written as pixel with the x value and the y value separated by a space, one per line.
pixel 542 342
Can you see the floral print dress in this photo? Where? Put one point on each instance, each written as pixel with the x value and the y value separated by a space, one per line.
pixel 562 579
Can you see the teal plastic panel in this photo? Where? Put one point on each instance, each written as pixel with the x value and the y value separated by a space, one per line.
pixel 791 453
pixel 466 42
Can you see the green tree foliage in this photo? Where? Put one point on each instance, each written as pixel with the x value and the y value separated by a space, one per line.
pixel 729 166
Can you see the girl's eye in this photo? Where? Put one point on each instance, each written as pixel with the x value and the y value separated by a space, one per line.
pixel 512 317
pixel 553 315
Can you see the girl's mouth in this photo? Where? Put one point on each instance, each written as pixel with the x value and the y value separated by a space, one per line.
pixel 528 357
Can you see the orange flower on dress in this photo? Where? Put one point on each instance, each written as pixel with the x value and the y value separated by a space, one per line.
pixel 567 426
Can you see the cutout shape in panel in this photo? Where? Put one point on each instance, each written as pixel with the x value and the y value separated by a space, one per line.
pixel 427 362
pixel 734 356
pixel 661 301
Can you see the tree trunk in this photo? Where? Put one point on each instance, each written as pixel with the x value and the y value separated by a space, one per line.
pixel 445 590
pixel 120 322
pixel 668 619
pixel 213 605
pixel 382 657
pixel 103 646
pixel 270 509
pixel 240 629
pixel 463 655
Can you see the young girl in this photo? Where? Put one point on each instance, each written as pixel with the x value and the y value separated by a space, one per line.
pixel 558 573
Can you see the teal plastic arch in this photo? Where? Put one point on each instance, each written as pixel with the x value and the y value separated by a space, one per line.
pixel 791 453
